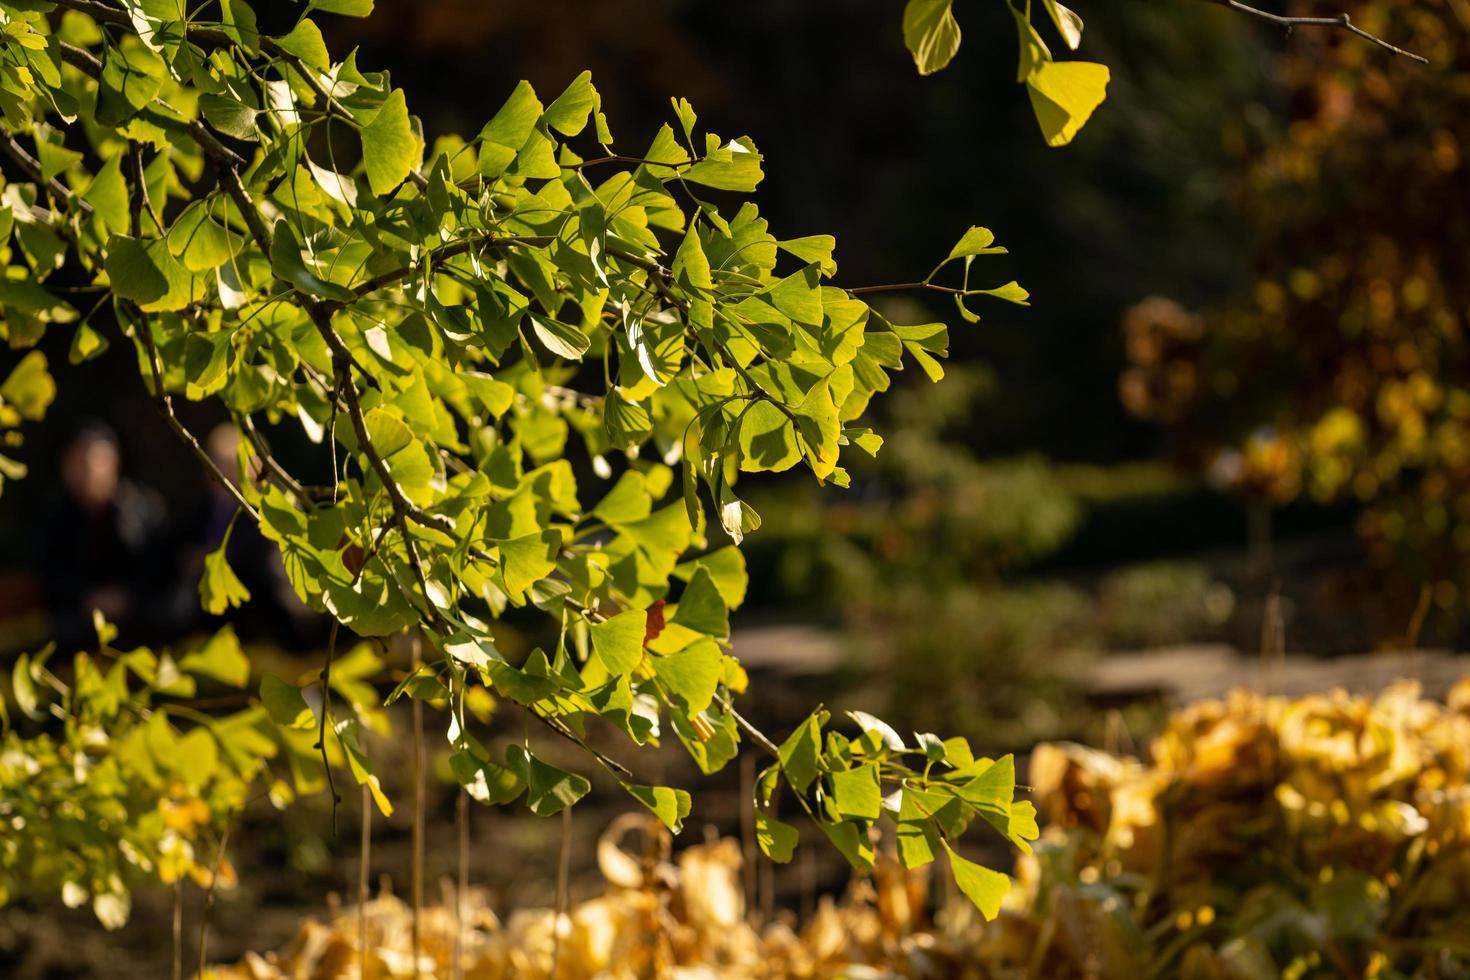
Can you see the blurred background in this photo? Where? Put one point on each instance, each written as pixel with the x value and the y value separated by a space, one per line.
pixel 1230 436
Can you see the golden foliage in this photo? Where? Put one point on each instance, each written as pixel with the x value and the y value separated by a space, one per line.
pixel 1263 837
pixel 681 917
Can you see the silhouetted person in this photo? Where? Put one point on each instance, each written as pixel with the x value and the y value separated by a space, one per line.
pixel 99 547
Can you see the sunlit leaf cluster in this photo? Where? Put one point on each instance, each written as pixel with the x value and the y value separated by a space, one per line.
pixel 1063 94
pixel 117 779
pixel 537 370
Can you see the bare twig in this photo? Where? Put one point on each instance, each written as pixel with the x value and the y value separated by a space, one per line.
pixel 165 406
pixel 747 833
pixel 321 731
pixel 209 893
pixel 756 735
pixel 462 886
pixel 894 287
pixel 1339 21
pixel 272 468
pixel 178 966
pixel 562 864
pixel 419 788
pixel 364 850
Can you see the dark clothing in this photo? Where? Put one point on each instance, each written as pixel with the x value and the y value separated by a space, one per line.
pixel 117 549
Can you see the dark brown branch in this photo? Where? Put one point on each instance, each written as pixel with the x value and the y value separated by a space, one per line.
pixel 84 61
pixel 145 334
pixel 342 364
pixel 402 506
pixel 473 244
pixel 165 407
pixel 55 188
pixel 756 735
pixel 273 470
pixel 254 220
pixel 658 274
pixel 556 725
pixel 1339 22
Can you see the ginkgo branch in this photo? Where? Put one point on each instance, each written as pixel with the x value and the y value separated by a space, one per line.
pixel 895 287
pixel 58 191
pixel 165 408
pixel 229 162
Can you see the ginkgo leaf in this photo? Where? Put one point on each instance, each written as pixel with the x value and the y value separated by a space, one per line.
pixel 976 241
pixel 618 642
pixel 692 674
pixel 671 806
pixel 931 33
pixel 391 147
pixel 777 840
pixel 29 389
pixel 549 790
pixel 305 42
pixel 702 607
pixel 220 659
pixel 982 886
pixel 568 112
pixel 285 703
pixel 1064 95
pixel 346 8
pixel 1068 24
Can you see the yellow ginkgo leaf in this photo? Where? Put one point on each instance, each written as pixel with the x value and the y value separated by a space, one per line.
pixel 1064 95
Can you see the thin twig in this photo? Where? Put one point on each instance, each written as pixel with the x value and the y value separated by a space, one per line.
pixel 178 966
pixel 556 725
pixel 620 158
pixel 363 852
pixel 473 244
pixel 462 887
pixel 321 732
pixel 273 471
pixel 219 854
pixel 418 808
pixel 563 863
pixel 144 330
pixel 1338 21
pixel 756 735
pixel 749 864
pixel 135 153
pixel 894 287
pixel 59 191
pixel 165 406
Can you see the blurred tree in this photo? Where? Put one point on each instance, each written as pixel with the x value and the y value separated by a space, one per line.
pixel 1345 374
